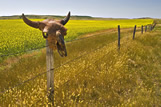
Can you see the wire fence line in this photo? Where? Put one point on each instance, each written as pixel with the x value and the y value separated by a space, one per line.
pixel 55 67
pixel 66 82
pixel 19 84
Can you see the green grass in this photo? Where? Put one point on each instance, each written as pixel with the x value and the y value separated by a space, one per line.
pixel 104 77
pixel 16 36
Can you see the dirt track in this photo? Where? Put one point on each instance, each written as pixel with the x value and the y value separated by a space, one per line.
pixel 104 32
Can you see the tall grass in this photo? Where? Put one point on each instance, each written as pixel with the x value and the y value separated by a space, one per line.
pixel 103 77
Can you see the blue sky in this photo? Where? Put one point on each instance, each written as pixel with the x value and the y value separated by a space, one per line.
pixel 96 8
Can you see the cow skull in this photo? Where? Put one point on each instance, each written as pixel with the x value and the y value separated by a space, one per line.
pixel 52 30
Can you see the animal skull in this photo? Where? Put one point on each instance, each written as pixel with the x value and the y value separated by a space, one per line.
pixel 52 30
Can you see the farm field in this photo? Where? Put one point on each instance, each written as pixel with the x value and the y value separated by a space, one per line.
pixel 17 37
pixel 93 74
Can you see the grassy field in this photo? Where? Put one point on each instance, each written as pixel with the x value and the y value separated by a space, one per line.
pixel 102 76
pixel 16 36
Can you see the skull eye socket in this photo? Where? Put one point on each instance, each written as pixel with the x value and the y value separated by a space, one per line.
pixel 45 35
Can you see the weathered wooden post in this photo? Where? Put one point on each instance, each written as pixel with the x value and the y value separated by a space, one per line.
pixel 145 28
pixel 118 37
pixel 150 27
pixel 142 29
pixel 134 32
pixel 50 72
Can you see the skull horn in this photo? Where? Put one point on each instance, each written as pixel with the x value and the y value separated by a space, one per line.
pixel 29 22
pixel 65 20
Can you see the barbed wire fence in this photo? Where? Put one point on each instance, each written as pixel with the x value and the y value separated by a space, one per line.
pixel 33 49
pixel 77 74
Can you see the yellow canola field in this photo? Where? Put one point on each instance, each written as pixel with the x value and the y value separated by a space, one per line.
pixel 16 36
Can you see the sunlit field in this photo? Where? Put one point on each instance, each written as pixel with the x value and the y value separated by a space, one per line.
pixel 16 36
pixel 94 74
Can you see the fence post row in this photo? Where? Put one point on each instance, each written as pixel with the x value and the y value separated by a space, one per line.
pixel 50 72
pixel 118 37
pixel 134 32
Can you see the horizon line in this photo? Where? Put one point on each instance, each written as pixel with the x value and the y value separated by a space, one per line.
pixel 85 16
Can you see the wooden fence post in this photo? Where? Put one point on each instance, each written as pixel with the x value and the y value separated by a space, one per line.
pixel 118 37
pixel 142 29
pixel 134 32
pixel 145 28
pixel 150 27
pixel 50 72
